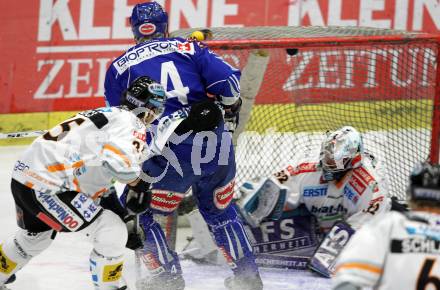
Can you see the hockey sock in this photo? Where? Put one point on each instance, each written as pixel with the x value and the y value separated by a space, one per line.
pixel 16 252
pixel 156 255
pixel 233 242
pixel 106 271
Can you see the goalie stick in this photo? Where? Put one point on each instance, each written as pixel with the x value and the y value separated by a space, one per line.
pixel 23 134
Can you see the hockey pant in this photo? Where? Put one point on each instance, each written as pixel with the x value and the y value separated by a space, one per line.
pixel 39 223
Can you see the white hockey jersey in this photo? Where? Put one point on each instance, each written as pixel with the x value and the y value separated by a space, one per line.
pixel 86 153
pixel 394 251
pixel 359 196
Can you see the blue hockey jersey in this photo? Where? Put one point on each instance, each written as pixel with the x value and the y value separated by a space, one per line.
pixel 187 71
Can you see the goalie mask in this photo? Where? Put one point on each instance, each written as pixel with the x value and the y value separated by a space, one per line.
pixel 341 151
pixel 145 93
pixel 149 20
pixel 424 183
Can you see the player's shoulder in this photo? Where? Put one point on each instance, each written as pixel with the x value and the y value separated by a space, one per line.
pixel 119 118
pixel 296 169
pixel 366 176
pixel 303 167
pixel 385 221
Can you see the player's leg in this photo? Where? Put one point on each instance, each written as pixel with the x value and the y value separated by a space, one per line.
pixel 214 195
pixel 109 236
pixel 161 261
pixel 44 213
pixel 32 238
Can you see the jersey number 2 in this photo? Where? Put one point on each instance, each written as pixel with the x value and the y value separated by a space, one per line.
pixel 425 279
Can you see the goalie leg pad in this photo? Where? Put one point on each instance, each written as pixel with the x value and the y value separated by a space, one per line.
pixel 156 254
pixel 16 252
pixel 231 238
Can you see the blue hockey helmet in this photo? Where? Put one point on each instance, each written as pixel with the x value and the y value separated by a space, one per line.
pixel 341 151
pixel 149 20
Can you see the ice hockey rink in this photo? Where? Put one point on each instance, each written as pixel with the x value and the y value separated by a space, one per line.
pixel 65 264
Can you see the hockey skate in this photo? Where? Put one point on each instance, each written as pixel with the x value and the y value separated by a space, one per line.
pixel 244 282
pixel 162 281
pixel 10 280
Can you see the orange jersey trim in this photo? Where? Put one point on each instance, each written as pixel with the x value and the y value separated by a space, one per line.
pixel 98 193
pixel 62 167
pixel 117 152
pixel 29 184
pixel 76 183
pixel 361 266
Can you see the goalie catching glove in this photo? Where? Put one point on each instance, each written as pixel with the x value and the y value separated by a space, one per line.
pixel 138 197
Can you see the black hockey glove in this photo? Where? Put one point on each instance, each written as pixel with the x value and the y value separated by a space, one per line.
pixel 139 197
pixel 187 205
pixel 398 205
pixel 135 239
pixel 111 202
pixel 231 116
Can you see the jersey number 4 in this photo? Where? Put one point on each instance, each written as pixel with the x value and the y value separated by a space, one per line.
pixel 169 71
pixel 424 277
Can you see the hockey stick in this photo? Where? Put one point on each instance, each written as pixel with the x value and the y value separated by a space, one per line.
pixel 251 79
pixel 24 134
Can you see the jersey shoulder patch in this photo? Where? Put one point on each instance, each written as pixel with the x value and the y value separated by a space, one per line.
pixel 97 117
pixel 363 175
pixel 283 175
pixel 303 168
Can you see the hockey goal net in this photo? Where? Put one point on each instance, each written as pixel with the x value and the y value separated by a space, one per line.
pixel 300 82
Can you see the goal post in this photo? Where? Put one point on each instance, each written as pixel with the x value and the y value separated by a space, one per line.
pixel 385 83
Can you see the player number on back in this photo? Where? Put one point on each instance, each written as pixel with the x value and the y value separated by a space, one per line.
pixel 169 71
pixel 425 279
pixel 59 132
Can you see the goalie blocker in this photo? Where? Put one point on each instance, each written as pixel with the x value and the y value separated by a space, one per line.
pixel 324 259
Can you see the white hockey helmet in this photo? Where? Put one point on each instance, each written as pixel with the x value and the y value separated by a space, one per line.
pixel 341 151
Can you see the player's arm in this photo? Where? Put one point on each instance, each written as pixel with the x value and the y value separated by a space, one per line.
pixel 367 209
pixel 222 81
pixel 114 86
pixel 361 262
pixel 122 157
pixel 220 78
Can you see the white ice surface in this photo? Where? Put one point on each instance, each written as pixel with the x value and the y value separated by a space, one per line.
pixel 65 264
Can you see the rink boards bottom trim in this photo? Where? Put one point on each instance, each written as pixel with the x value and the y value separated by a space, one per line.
pixel 365 116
